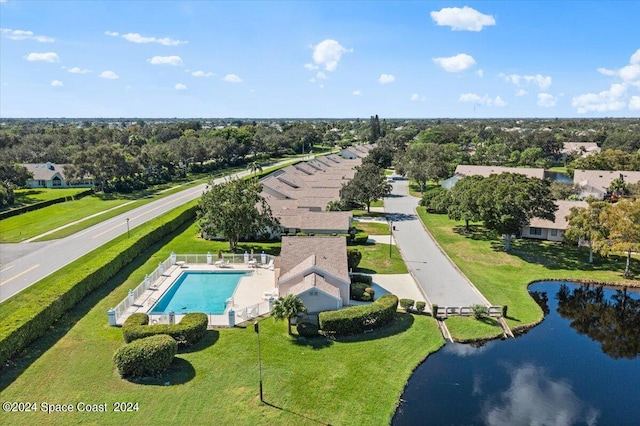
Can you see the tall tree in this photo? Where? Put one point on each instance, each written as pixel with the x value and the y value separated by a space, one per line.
pixel 423 162
pixel 622 222
pixel 368 184
pixel 464 198
pixel 585 226
pixel 508 201
pixel 374 125
pixel 233 210
pixel 288 307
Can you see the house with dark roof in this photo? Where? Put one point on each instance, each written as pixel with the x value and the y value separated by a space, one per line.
pixel 315 269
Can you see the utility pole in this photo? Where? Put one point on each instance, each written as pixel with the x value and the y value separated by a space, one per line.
pixel 256 328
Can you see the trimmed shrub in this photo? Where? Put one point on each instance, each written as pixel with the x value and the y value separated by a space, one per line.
pixel 420 305
pixel 353 258
pixel 434 310
pixel 360 238
pixel 36 314
pixel 479 311
pixel 371 292
pixel 145 357
pixel 357 319
pixel 357 290
pixel 406 304
pixel 187 332
pixel 307 329
pixel 361 278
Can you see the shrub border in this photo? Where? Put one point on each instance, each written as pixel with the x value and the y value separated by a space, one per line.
pixel 188 331
pixel 358 319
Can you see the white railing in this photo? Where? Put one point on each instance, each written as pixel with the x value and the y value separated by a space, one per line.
pixel 154 279
pixel 250 312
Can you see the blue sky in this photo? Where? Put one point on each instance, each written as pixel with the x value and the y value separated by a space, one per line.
pixel 333 59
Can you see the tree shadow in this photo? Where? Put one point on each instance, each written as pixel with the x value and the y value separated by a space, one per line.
pixel 401 217
pixel 21 361
pixel 295 414
pixel 179 372
pixel 400 323
pixel 210 338
pixel 476 232
pixel 315 343
pixel 366 271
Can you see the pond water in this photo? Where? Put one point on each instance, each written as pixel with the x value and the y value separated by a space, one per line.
pixel 580 366
pixel 558 177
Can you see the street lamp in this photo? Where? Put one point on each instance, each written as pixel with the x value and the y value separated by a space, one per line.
pixel 128 234
pixel 256 328
pixel 390 236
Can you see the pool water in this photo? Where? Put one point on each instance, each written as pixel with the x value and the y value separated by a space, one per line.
pixel 205 292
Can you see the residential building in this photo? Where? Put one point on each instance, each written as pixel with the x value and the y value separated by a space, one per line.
pixel 596 183
pixel 50 175
pixel 542 229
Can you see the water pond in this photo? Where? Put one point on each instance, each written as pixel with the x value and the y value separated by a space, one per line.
pixel 580 366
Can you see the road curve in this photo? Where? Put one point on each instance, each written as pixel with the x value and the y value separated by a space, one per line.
pixel 441 281
pixel 24 271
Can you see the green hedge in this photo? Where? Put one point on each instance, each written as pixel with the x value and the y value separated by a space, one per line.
pixel 354 256
pixel 146 357
pixel 307 329
pixel 357 319
pixel 357 290
pixel 187 332
pixel 361 278
pixel 43 204
pixel 29 314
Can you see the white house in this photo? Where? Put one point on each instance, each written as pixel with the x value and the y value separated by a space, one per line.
pixel 50 175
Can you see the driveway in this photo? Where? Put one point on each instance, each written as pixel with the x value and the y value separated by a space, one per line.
pixel 441 281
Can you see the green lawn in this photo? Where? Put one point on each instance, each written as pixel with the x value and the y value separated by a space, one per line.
pixel 373 228
pixel 216 382
pixel 375 259
pixel 503 277
pixel 464 329
pixel 364 213
pixel 38 195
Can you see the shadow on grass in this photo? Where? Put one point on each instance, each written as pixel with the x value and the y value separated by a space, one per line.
pixel 366 271
pixel 315 343
pixel 400 323
pixel 23 359
pixel 179 372
pixel 295 414
pixel 210 338
pixel 475 232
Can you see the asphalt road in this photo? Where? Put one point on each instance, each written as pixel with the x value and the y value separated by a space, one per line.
pixel 23 264
pixel 441 281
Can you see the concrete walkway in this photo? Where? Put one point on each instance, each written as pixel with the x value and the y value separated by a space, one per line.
pixel 441 281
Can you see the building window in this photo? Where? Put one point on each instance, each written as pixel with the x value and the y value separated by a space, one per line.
pixel 554 232
pixel 313 293
pixel 535 231
pixel 57 181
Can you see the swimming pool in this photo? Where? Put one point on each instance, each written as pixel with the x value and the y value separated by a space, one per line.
pixel 205 292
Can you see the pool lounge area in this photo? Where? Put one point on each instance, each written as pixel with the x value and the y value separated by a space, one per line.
pixel 245 303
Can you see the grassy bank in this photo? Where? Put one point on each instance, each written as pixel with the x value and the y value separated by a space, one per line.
pixel 503 277
pixel 310 382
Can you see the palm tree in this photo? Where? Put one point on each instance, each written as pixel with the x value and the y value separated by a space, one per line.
pixel 255 167
pixel 288 307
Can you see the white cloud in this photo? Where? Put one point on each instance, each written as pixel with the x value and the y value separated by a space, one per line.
pixel 415 97
pixel 180 86
pixel 138 38
pixel 202 74
pixel 232 78
pixel 457 63
pixel 606 72
pixel 25 35
pixel 465 19
pixel 356 93
pixel 635 58
pixel 109 75
pixel 480 73
pixel 328 53
pixel 543 82
pixel 321 76
pixel 166 60
pixel 311 67
pixel 522 92
pixel 57 83
pixel 46 57
pixel 386 79
pixel 76 70
pixel 484 100
pixel 312 80
pixel 112 33
pixel 546 100
pixel 607 100
pixel 634 103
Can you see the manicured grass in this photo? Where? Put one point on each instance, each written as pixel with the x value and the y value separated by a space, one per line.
pixel 503 277
pixel 373 228
pixel 38 195
pixel 464 329
pixel 377 203
pixel 363 213
pixel 305 381
pixel 560 169
pixel 375 259
pixel 414 188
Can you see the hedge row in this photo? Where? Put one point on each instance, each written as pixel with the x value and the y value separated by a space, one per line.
pixel 29 314
pixel 361 278
pixel 357 319
pixel 187 332
pixel 145 357
pixel 43 204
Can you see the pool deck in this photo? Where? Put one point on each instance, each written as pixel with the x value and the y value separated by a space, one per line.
pixel 247 300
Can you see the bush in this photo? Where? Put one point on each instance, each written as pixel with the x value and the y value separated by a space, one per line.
pixel 479 311
pixel 145 357
pixel 406 304
pixel 504 311
pixel 357 319
pixel 307 329
pixel 187 332
pixel 371 292
pixel 353 258
pixel 366 297
pixel 420 305
pixel 56 295
pixel 434 310
pixel 361 278
pixel 357 290
pixel 360 238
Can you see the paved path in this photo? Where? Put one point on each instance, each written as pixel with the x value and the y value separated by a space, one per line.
pixel 21 265
pixel 441 281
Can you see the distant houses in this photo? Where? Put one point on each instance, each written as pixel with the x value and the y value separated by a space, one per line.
pixel 50 175
pixel 486 171
pixel 579 149
pixel 596 183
